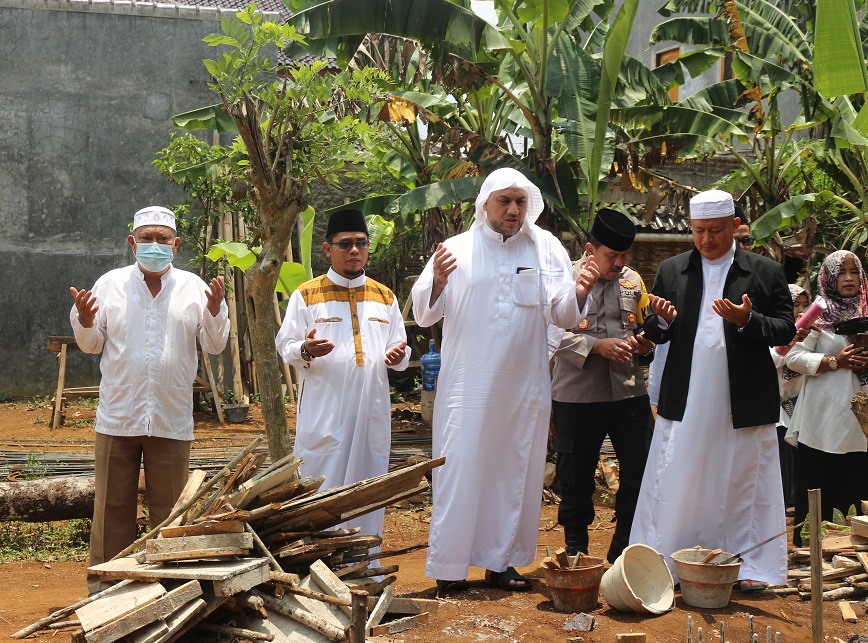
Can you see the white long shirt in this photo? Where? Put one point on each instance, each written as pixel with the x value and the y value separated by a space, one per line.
pixel 343 417
pixel 705 483
pixel 491 412
pixel 823 419
pixel 148 345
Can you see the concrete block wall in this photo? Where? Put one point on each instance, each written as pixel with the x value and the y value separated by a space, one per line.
pixel 87 90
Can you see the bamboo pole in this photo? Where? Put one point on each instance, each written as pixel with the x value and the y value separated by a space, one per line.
pixel 232 305
pixel 816 545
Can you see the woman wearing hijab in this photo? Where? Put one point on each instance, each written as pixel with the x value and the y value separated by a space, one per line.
pixel 832 449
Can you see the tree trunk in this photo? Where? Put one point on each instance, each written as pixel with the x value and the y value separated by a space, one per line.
pixel 47 499
pixel 261 279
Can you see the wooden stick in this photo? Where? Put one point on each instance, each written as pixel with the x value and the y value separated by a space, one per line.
pixel 66 611
pixel 383 584
pixel 816 546
pixel 376 571
pixel 389 553
pixel 236 632
pixel 358 617
pixel 202 491
pixel 331 632
pixel 289 580
pixel 262 549
pixel 318 596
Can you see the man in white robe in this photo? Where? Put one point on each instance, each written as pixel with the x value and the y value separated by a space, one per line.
pixel 342 331
pixel 713 477
pixel 497 287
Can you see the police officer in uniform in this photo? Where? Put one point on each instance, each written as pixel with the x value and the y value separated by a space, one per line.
pixel 598 388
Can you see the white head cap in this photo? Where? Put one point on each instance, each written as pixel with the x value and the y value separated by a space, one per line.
pixel 154 215
pixel 508 178
pixel 712 204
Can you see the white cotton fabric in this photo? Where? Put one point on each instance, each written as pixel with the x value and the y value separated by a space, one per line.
pixel 823 419
pixel 491 413
pixel 712 204
pixel 343 418
pixel 706 483
pixel 154 215
pixel 149 355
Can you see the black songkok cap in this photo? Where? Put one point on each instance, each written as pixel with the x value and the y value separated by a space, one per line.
pixel 613 229
pixel 346 221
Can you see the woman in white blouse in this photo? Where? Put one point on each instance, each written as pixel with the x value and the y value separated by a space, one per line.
pixel 832 449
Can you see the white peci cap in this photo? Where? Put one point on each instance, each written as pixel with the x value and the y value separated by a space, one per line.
pixel 712 204
pixel 154 215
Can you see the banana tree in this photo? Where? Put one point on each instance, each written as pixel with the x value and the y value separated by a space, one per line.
pixel 530 57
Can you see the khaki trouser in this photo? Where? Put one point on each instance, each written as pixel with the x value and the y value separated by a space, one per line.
pixel 117 461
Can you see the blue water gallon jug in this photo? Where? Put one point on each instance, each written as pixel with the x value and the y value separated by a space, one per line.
pixel 430 367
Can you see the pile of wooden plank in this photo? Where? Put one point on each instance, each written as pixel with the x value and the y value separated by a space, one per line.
pixel 255 553
pixel 845 565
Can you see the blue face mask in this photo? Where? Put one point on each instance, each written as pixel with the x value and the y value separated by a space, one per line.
pixel 154 257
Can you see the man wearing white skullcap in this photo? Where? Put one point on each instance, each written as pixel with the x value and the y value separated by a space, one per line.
pixel 498 288
pixel 713 476
pixel 145 320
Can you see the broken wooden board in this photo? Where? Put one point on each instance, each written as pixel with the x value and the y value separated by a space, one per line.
pixel 400 625
pixel 331 584
pixel 182 620
pixel 609 474
pixel 859 526
pixel 847 612
pixel 150 633
pixel 407 605
pixel 146 614
pixel 229 577
pixel 164 545
pixel 324 509
pixel 104 610
pixel 203 529
pixel 376 615
pixel 196 554
pixel 194 481
pixel 252 488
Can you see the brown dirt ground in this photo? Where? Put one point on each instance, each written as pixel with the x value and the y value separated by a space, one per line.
pixel 30 590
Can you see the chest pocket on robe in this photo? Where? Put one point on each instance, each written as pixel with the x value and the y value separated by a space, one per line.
pixel 525 289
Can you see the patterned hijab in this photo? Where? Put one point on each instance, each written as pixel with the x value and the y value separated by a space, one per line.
pixel 840 308
pixel 797 291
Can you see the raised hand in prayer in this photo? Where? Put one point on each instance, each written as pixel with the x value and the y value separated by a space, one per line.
pixel 317 347
pixel 444 265
pixel 215 294
pixel 85 304
pixel 614 349
pixel 396 354
pixel 585 280
pixel 737 314
pixel 663 308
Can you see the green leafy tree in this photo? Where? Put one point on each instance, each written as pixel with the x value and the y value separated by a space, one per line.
pixel 294 127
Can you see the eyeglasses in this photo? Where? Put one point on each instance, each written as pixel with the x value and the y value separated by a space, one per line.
pixel 746 241
pixel 346 244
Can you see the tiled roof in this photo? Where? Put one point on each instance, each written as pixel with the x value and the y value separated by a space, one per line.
pixel 271 6
pixel 275 6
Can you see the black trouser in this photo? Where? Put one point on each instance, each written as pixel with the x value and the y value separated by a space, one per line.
pixel 841 477
pixel 579 433
pixel 787 452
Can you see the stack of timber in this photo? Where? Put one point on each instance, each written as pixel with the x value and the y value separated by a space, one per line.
pixel 255 553
pixel 845 565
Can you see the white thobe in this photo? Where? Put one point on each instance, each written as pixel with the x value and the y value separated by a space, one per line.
pixel 148 347
pixel 491 412
pixel 706 483
pixel 343 414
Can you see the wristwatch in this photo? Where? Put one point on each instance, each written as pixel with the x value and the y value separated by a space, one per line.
pixel 833 363
pixel 304 354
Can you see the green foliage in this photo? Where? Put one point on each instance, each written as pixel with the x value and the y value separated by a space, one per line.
pixel 5 397
pixel 67 540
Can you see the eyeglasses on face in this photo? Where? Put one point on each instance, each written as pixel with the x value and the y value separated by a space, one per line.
pixel 746 241
pixel 346 244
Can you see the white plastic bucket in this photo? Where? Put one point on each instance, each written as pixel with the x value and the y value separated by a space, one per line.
pixel 639 581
